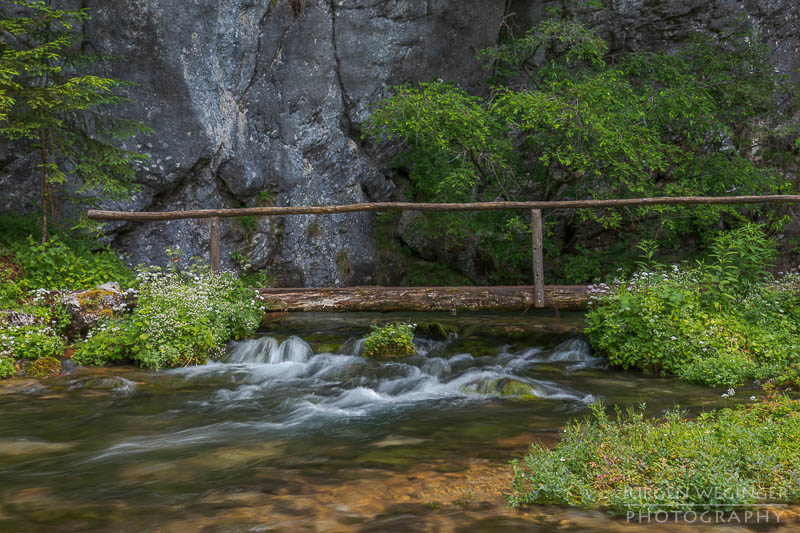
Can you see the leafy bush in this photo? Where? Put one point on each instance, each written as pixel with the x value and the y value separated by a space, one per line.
pixel 7 369
pixel 564 120
pixel 390 340
pixel 722 459
pixel 180 319
pixel 721 323
pixel 56 265
pixel 30 342
pixel 64 262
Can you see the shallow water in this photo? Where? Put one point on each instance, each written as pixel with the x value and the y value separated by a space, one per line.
pixel 295 431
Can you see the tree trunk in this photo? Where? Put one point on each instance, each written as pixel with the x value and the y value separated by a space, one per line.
pixel 45 192
pixel 568 297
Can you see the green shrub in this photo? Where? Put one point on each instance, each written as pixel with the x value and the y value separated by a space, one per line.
pixel 11 290
pixel 723 322
pixel 56 265
pixel 722 459
pixel 67 261
pixel 111 341
pixel 7 369
pixel 44 367
pixel 30 342
pixel 180 319
pixel 390 340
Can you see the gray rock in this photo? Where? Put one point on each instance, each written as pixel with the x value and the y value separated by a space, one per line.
pixel 18 319
pixel 88 307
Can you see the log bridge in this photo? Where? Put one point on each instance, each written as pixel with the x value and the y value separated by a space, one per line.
pixel 520 298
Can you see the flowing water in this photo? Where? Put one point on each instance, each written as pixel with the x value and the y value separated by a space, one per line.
pixel 296 431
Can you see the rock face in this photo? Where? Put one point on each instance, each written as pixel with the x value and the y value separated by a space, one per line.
pixel 258 102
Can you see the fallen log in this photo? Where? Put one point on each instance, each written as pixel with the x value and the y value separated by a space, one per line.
pixel 520 298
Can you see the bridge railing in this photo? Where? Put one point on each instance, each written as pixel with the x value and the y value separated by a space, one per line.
pixel 536 208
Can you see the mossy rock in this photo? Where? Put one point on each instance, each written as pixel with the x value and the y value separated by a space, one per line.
pixel 513 388
pixel 102 383
pixel 92 300
pixel 44 367
pixel 475 346
pixel 433 331
pixel 507 388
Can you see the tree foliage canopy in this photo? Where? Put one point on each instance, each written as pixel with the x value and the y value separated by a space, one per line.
pixel 564 119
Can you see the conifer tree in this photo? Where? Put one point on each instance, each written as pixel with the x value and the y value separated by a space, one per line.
pixel 53 105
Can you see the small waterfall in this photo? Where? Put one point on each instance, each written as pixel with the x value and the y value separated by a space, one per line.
pixel 352 346
pixel 266 350
pixel 573 351
pixel 300 386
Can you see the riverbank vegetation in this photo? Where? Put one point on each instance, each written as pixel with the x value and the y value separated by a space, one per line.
pixel 721 460
pixel 722 322
pixel 180 318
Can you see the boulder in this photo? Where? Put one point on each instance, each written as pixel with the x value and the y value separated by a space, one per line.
pixel 87 307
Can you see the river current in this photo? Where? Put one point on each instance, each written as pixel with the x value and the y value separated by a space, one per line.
pixel 296 431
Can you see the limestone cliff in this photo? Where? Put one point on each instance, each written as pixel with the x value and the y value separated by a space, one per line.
pixel 262 101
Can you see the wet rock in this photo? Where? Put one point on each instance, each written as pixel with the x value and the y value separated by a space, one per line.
pixel 507 388
pixel 512 388
pixel 103 383
pixel 433 330
pixel 18 447
pixel 68 366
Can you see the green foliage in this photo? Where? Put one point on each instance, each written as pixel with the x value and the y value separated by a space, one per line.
pixel 30 342
pixel 247 223
pixel 50 102
pixel 257 279
pixel 266 197
pixel 393 340
pixel 723 322
pixel 44 367
pixel 7 369
pixel 723 459
pixel 66 261
pixel 426 274
pixel 180 319
pixel 565 121
pixel 54 264
pixel 739 259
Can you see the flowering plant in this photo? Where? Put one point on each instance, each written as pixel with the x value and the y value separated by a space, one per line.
pixel 181 318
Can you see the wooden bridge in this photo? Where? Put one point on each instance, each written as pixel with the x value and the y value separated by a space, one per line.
pixel 517 298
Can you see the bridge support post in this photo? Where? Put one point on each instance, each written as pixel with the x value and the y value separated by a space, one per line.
pixel 214 245
pixel 537 259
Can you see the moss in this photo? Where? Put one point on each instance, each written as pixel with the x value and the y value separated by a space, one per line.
pixel 44 367
pixel 475 346
pixel 314 230
pixel 344 265
pixel 433 330
pixel 91 301
pixel 518 389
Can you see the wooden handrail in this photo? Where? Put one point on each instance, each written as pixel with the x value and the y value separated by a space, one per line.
pixel 144 216
pixel 535 207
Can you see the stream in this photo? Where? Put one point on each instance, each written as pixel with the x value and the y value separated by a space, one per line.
pixel 295 431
